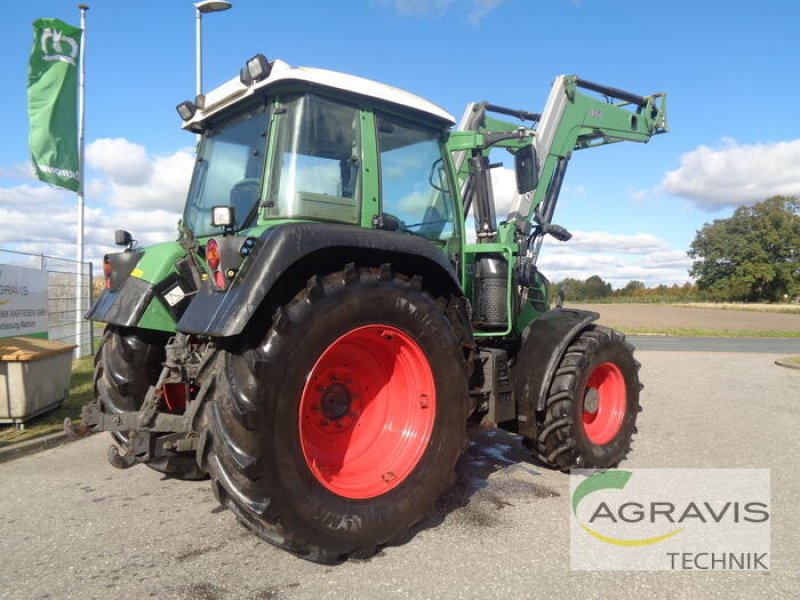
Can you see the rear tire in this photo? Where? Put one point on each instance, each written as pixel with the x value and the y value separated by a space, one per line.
pixel 592 405
pixel 126 364
pixel 337 432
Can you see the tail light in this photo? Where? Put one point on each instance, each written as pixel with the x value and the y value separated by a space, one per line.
pixel 117 267
pixel 107 272
pixel 173 396
pixel 214 258
pixel 225 256
pixel 212 254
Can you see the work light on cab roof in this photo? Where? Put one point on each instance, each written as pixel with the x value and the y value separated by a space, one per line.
pixel 256 69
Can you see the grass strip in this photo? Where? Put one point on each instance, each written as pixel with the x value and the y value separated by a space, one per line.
pixel 701 332
pixel 792 360
pixel 790 309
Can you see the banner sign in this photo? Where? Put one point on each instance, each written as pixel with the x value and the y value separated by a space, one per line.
pixel 23 302
pixel 53 102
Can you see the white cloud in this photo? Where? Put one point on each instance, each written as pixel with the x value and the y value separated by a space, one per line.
pixel 481 8
pixel 736 174
pixel 149 227
pixel 124 162
pixel 616 258
pixel 602 241
pixel 18 171
pixel 504 184
pixel 145 197
pixel 418 8
pixel 668 259
pixel 474 9
pixel 45 223
pixel 584 264
pixel 136 179
pixel 31 195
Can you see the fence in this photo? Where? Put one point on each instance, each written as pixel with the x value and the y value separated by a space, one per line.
pixel 66 299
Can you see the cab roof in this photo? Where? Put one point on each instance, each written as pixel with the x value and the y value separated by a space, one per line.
pixel 233 91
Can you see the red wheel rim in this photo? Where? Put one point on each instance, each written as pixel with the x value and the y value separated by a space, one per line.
pixel 367 412
pixel 604 403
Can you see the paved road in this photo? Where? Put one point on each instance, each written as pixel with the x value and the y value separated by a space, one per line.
pixel 73 527
pixel 787 346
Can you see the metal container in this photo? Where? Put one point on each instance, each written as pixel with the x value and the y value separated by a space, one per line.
pixel 34 377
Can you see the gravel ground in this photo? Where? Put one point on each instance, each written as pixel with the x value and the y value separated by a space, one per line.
pixel 74 527
pixel 668 315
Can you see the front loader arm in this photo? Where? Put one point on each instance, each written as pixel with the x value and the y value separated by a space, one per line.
pixel 573 120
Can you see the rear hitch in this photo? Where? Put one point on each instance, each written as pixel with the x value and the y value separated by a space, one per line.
pixel 121 461
pixel 75 432
pixel 164 425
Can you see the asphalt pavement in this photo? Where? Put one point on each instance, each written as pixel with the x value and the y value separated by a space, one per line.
pixel 74 527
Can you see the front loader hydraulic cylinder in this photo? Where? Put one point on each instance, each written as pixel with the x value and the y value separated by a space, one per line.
pixel 611 92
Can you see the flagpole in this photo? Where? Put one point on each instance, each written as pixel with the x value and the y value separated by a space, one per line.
pixel 81 171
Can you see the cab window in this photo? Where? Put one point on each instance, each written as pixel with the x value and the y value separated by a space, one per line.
pixel 415 189
pixel 316 169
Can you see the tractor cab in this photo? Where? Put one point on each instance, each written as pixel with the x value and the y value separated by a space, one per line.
pixel 296 144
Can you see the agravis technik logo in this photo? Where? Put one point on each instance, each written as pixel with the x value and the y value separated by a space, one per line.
pixel 613 480
pixel 673 519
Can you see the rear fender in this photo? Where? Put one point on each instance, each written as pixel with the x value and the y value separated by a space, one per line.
pixel 281 248
pixel 140 282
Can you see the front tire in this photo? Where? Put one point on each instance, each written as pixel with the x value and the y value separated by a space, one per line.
pixel 592 405
pixel 337 432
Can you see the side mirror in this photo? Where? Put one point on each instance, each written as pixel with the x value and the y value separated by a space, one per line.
pixel 526 169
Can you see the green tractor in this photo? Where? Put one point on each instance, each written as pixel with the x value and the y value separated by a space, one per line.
pixel 323 331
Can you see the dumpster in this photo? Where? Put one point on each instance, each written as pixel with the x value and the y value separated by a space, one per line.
pixel 34 377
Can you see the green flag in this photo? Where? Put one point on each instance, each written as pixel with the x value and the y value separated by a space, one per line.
pixel 52 102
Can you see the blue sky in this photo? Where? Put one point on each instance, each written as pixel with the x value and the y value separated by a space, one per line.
pixel 728 69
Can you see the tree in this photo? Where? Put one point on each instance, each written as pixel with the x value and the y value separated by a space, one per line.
pixel 596 287
pixel 592 288
pixel 753 255
pixel 633 288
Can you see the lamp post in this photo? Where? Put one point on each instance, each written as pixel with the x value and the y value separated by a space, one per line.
pixel 80 283
pixel 201 8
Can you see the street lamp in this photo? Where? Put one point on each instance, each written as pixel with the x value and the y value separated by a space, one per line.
pixel 201 8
